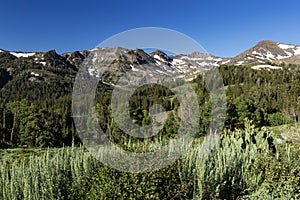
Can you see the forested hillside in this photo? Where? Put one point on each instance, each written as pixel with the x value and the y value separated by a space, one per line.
pixel 35 100
pixel 35 106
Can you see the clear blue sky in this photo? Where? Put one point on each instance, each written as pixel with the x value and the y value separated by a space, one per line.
pixel 223 27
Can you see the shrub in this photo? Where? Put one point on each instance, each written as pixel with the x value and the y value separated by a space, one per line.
pixel 228 172
pixel 277 119
pixel 53 175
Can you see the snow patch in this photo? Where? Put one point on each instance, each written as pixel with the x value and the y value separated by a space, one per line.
pixel 288 53
pixel 282 57
pixel 96 49
pixel 180 76
pixel 189 79
pixel 285 46
pixel 204 64
pixel 218 59
pixel 134 69
pixel 43 63
pixel 297 51
pixel 196 59
pixel 25 55
pixel 177 61
pixel 159 58
pixel 258 67
pixel 255 52
pixel 270 56
pixel 240 62
pixel 91 71
pixel 34 74
pixel 225 62
pixel 159 63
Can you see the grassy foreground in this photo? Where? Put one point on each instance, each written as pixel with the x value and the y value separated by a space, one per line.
pixel 243 164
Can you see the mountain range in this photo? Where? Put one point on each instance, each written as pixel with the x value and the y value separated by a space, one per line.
pixel 265 53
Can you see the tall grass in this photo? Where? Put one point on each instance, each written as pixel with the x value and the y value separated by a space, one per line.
pixel 47 176
pixel 239 164
pixel 229 169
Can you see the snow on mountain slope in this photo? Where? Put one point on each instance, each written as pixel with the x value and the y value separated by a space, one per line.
pixel 154 64
pixel 266 51
pixel 194 63
pixel 158 63
pixel 259 67
pixel 21 54
pixel 295 50
pixel 188 65
pixel 291 60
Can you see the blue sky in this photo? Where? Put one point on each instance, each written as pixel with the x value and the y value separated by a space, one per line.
pixel 223 28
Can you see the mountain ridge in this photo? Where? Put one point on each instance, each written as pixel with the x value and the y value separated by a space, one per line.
pixel 264 51
pixel 158 62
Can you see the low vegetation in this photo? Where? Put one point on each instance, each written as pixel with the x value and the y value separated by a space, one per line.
pixel 245 163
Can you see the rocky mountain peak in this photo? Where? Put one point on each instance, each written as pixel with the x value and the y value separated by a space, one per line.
pixel 266 51
pixel 51 53
pixel 266 43
pixel 160 55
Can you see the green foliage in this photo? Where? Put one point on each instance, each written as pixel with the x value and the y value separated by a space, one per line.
pixel 277 119
pixel 281 175
pixel 265 92
pixel 51 175
pixel 262 95
pixel 228 171
pixel 25 123
pixel 243 164
pixel 113 184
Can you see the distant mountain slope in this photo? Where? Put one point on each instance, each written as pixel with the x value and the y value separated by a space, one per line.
pixel 155 63
pixel 291 60
pixel 266 51
pixel 35 75
pixel 41 68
